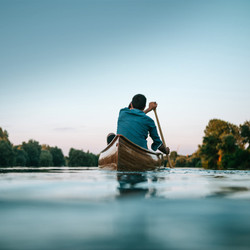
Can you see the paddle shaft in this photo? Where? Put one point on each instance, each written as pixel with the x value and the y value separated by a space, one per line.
pixel 162 137
pixel 159 126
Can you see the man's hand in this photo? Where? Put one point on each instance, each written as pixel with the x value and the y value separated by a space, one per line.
pixel 151 106
pixel 164 149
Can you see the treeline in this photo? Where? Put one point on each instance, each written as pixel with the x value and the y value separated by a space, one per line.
pixel 80 158
pixel 33 154
pixel 224 146
pixel 189 161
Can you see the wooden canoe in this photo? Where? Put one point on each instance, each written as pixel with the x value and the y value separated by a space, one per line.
pixel 123 155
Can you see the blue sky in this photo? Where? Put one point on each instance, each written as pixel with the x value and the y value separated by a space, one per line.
pixel 67 67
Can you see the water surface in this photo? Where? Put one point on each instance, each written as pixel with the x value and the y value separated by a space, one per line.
pixel 88 208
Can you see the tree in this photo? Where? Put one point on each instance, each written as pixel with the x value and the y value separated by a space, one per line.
pixel 45 159
pixel 209 151
pixel 4 135
pixel 181 161
pixel 227 148
pixel 33 150
pixel 245 133
pixel 227 144
pixel 224 145
pixel 21 156
pixel 80 158
pixel 92 159
pixel 58 157
pixel 173 155
pixel 214 143
pixel 240 159
pixel 7 155
pixel 77 158
pixel 218 128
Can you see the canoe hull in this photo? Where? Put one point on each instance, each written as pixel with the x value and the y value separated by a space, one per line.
pixel 123 155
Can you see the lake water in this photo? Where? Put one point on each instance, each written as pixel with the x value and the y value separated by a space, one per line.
pixel 88 208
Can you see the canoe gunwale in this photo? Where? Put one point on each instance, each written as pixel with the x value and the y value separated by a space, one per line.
pixel 110 144
pixel 130 142
pixel 123 155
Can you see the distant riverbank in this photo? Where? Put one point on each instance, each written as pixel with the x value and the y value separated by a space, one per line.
pixel 224 146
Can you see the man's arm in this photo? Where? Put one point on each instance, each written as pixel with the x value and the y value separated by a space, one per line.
pixel 157 143
pixel 151 106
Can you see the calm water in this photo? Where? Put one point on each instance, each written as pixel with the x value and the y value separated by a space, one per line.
pixel 88 208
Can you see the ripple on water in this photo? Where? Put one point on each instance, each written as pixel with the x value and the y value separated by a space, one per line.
pixel 88 208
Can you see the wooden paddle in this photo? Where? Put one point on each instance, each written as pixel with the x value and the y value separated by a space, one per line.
pixel 162 137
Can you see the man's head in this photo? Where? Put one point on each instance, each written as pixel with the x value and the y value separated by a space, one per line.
pixel 139 102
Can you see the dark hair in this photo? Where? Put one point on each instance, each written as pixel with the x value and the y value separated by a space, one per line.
pixel 139 101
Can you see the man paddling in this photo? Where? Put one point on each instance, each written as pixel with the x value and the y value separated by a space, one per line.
pixel 134 124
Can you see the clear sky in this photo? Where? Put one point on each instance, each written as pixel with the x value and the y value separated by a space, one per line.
pixel 67 67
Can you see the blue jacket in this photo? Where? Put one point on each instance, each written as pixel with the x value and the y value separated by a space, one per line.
pixel 136 125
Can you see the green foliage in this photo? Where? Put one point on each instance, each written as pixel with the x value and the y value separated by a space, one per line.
pixel 4 135
pixel 181 161
pixel 245 133
pixel 218 128
pixel 80 158
pixel 20 156
pixel 7 156
pixel 240 159
pixel 224 145
pixel 209 151
pixel 192 161
pixel 227 144
pixel 33 150
pixel 173 156
pixel 58 157
pixel 31 153
pixel 45 159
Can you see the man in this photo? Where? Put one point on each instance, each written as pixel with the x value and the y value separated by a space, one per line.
pixel 134 124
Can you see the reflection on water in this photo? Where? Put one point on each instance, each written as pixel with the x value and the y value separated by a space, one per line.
pixel 92 184
pixel 128 184
pixel 88 208
pixel 179 183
